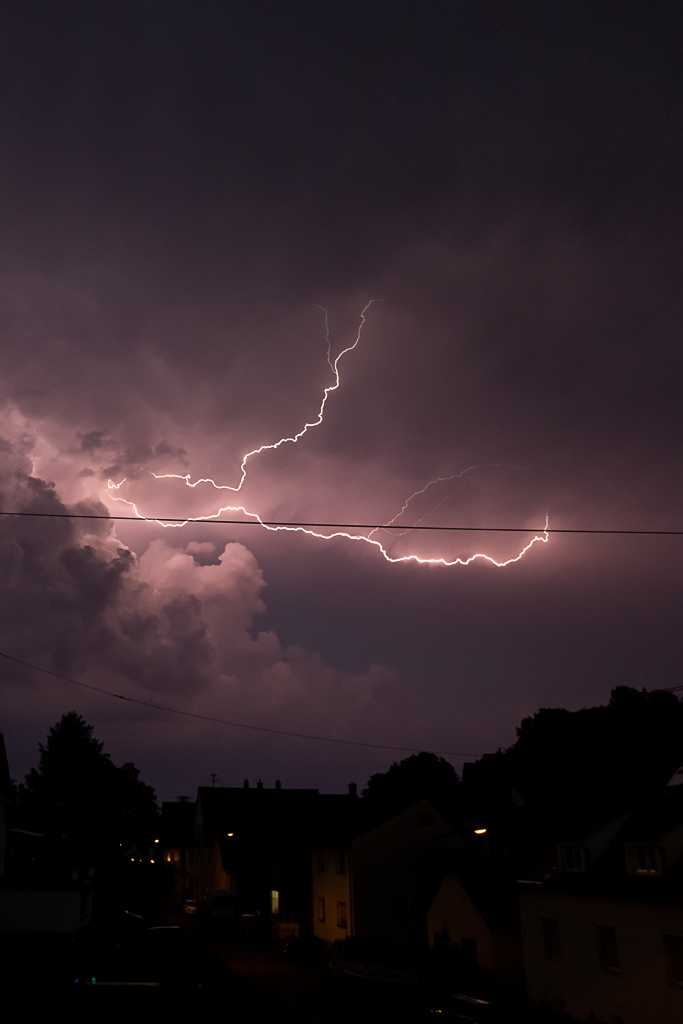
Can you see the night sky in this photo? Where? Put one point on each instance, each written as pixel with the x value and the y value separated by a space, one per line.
pixel 192 195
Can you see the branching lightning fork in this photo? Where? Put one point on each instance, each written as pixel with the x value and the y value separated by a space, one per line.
pixel 369 538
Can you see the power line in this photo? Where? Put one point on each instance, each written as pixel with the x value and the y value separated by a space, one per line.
pixel 223 721
pixel 349 526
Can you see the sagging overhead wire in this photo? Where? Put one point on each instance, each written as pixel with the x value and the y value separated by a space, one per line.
pixel 348 526
pixel 224 721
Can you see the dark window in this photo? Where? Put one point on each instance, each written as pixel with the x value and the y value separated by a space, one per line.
pixel 321 908
pixel 608 951
pixel 426 821
pixel 571 857
pixel 551 938
pixel 673 949
pixel 646 861
pixel 341 915
pixel 320 858
pixel 340 865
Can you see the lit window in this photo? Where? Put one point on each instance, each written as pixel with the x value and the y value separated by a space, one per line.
pixel 341 915
pixel 673 950
pixel 321 908
pixel 643 859
pixel 274 901
pixel 551 938
pixel 608 951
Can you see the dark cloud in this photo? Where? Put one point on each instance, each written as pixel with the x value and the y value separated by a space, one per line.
pixel 94 441
pixel 182 188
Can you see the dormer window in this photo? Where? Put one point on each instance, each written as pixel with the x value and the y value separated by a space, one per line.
pixel 643 859
pixel 571 857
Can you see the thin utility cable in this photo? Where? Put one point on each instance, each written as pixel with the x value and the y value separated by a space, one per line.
pixel 347 526
pixel 223 721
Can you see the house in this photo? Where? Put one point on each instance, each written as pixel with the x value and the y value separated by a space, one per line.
pixel 473 922
pixel 255 841
pixel 175 846
pixel 375 872
pixel 603 933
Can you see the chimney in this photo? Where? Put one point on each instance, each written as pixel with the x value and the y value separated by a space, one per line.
pixel 353 791
pixel 259 784
pixel 246 783
pixel 277 783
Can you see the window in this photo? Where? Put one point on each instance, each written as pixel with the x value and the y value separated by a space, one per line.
pixel 673 950
pixel 321 908
pixel 320 858
pixel 340 865
pixel 426 821
pixel 571 857
pixel 608 951
pixel 551 938
pixel 341 915
pixel 274 901
pixel 643 859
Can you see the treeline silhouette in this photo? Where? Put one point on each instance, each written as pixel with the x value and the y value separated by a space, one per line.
pixel 94 809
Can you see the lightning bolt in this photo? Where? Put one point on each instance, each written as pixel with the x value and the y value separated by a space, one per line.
pixel 462 477
pixel 365 538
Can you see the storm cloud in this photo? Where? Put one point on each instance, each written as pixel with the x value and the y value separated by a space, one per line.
pixel 196 201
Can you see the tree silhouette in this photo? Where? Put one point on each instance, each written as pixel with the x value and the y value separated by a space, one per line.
pixel 562 755
pixel 415 777
pixel 78 794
